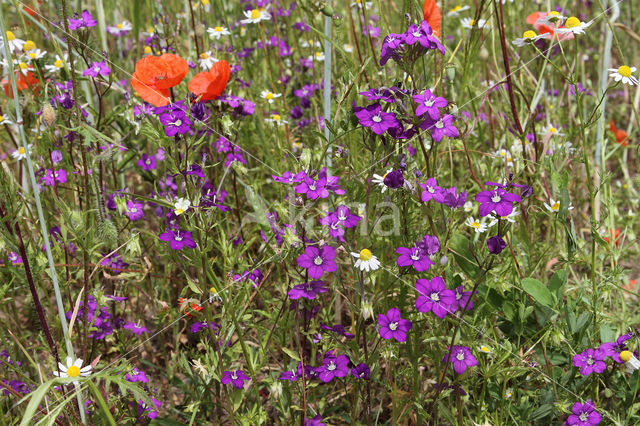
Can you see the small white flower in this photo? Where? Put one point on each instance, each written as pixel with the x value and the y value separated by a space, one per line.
pixel 470 23
pixel 478 225
pixel 508 394
pixel 255 15
pixel 34 54
pixel 58 64
pixel 206 60
pixel 552 130
pixel 20 153
pixel 14 42
pixel 5 120
pixel 276 119
pixel 121 28
pixel 552 17
pixel 318 56
pixel 217 32
pixel 206 4
pixel 485 349
pixel 310 43
pixel 468 207
pixel 573 25
pixel 455 11
pixel 379 180
pixel 72 369
pixel 347 48
pixel 624 74
pixel 527 38
pixel 554 206
pixel 269 96
pixel 367 261
pixel 632 363
pixel 181 205
pixel 360 4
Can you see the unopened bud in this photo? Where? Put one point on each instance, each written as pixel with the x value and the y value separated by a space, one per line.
pixel 367 310
pixel 48 114
pixel 444 260
pixel 484 53
pixel 276 389
pixel 200 30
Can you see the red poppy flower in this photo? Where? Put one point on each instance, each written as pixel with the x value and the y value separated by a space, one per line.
pixel 615 234
pixel 210 84
pixel 432 15
pixel 24 81
pixel 621 135
pixel 155 75
pixel 186 309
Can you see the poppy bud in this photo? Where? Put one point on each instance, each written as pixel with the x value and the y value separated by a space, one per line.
pixel 48 114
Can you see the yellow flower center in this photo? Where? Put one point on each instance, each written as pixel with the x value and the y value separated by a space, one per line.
pixel 32 55
pixel 276 117
pixel 553 130
pixel 204 55
pixel 529 34
pixel 73 371
pixel 624 71
pixel 205 2
pixel 147 49
pixel 149 29
pixel 119 26
pixel 554 13
pixel 318 54
pixel 556 206
pixel 269 96
pixel 213 290
pixel 29 45
pixel 365 254
pixel 485 349
pixel 455 9
pixel 472 22
pixel 572 22
pixel 179 211
pixel 23 66
pixel 10 36
pixel 255 14
pixel 21 150
pixel 625 356
pixel 218 29
pixel 476 225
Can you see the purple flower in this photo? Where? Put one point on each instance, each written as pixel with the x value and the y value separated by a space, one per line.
pixel 451 199
pixel 333 367
pixel 429 244
pixel 175 122
pixel 198 326
pixel 97 68
pixel 441 127
pixel 613 349
pixel 137 376
pixel 147 162
pixel 497 200
pixel 85 21
pixel 361 371
pixel 415 257
pixel 313 188
pixel 392 326
pixel 292 375
pixel 431 190
pixel 461 359
pixel 135 328
pixel 424 36
pixel 237 378
pixel 338 329
pixel 307 290
pixel 391 48
pixel 376 119
pixel 584 414
pixel 496 244
pixel 394 179
pixel 52 176
pixel 318 260
pixel 134 210
pixel 435 297
pixel 178 239
pixel 462 298
pixel 315 421
pixel 590 361
pixel 428 103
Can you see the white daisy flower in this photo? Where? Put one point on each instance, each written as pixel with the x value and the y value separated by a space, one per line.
pixel 121 28
pixel 14 42
pixel 527 38
pixel 181 205
pixel 58 64
pixel 485 349
pixel 624 73
pixel 554 206
pixel 471 23
pixel 206 4
pixel 318 56
pixel 552 130
pixel 269 96
pixel 217 32
pixel 21 153
pixel 379 180
pixel 468 207
pixel 367 261
pixel 476 224
pixel 206 60
pixel 34 54
pixel 72 369
pixel 347 48
pixel 255 15
pixel 630 360
pixel 553 17
pixel 508 394
pixel 455 11
pixel 5 120
pixel 276 119
pixel 360 4
pixel 511 217
pixel 310 43
pixel 573 25
pixel 24 67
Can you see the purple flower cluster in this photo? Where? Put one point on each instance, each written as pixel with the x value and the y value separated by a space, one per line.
pixel 339 220
pixel 393 326
pixel 101 321
pixel 433 296
pixel 84 21
pixel 320 187
pixel 332 366
pixel 407 47
pixel 449 197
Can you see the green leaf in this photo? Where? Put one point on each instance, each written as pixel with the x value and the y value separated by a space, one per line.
pixel 538 291
pixel 557 282
pixel 36 398
pixel 291 353
pixel 101 403
pixel 459 246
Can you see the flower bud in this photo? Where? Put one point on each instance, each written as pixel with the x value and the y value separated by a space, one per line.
pixel 276 389
pixel 367 310
pixel 444 260
pixel 484 53
pixel 48 114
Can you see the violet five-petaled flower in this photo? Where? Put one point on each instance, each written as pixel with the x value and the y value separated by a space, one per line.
pixel 318 260
pixel 435 297
pixel 429 104
pixel 497 200
pixel 96 69
pixel 308 290
pixel 584 414
pixel 236 378
pixel 333 367
pixel 613 349
pixel 461 359
pixel 414 257
pixel 441 127
pixel 178 239
pixel 393 326
pixel 377 120
pixel 590 361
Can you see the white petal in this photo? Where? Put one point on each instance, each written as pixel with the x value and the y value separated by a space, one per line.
pixel 356 255
pixel 78 363
pixel 69 361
